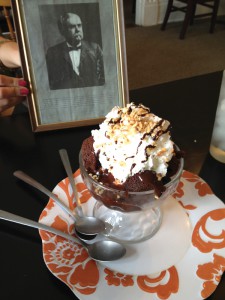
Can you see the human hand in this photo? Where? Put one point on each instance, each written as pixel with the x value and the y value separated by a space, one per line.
pixel 12 91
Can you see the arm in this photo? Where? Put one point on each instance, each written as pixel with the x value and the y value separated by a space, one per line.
pixel 9 53
pixel 12 89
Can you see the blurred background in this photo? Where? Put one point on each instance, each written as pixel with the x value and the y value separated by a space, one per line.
pixel 155 56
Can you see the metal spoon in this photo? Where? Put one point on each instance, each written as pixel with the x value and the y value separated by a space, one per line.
pixel 90 221
pixel 83 227
pixel 66 163
pixel 104 250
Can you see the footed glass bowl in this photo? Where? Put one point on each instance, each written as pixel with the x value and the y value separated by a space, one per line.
pixel 130 217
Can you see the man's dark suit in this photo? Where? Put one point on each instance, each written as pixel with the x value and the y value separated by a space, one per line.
pixel 60 70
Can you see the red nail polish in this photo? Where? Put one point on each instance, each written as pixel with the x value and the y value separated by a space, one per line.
pixel 24 92
pixel 22 82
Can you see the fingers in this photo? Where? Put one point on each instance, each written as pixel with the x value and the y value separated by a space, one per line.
pixel 7 103
pixel 11 81
pixel 12 91
pixel 12 87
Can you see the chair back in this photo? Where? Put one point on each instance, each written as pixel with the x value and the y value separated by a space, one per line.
pixel 6 6
pixel 189 8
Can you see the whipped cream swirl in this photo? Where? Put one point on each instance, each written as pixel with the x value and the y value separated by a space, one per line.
pixel 132 140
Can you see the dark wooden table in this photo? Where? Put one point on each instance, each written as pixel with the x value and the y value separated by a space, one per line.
pixel 189 104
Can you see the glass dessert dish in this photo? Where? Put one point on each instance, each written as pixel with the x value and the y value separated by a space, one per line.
pixel 130 217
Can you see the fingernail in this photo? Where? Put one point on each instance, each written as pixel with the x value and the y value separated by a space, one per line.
pixel 24 92
pixel 22 82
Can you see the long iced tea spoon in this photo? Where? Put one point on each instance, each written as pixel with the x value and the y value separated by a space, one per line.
pixel 97 223
pixel 82 226
pixel 104 250
pixel 67 166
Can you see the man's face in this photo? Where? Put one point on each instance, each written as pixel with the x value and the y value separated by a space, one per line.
pixel 73 29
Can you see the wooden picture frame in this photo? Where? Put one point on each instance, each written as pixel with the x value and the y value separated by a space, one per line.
pixel 57 98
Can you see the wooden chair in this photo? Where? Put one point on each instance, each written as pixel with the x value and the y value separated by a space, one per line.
pixel 189 8
pixel 6 6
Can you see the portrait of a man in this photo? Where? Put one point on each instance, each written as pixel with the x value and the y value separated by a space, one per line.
pixel 74 62
pixel 74 56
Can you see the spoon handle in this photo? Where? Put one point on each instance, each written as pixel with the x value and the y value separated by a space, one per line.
pixel 4 215
pixel 26 178
pixel 65 160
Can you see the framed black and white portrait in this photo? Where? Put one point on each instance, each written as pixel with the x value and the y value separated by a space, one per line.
pixel 73 54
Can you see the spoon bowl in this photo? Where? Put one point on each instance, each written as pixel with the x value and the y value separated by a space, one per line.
pixel 85 226
pixel 104 250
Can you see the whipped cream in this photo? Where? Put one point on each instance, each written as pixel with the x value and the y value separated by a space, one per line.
pixel 132 140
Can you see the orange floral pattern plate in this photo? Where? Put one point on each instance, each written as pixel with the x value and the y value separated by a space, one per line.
pixel 195 276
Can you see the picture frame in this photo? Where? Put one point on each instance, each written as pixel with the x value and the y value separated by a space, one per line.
pixel 60 98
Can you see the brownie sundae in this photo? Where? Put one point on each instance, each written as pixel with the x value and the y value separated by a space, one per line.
pixel 132 151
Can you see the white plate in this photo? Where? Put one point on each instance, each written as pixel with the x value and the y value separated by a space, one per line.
pixel 193 274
